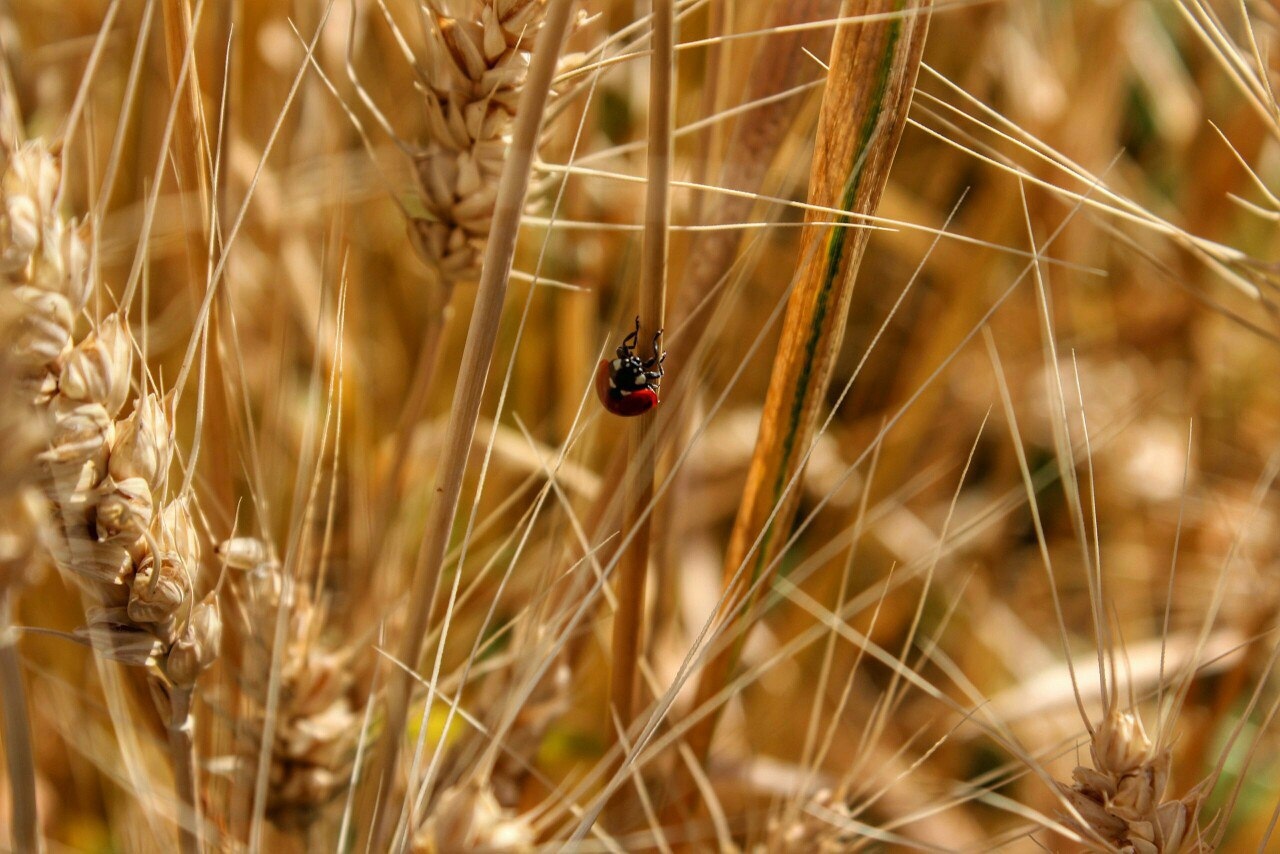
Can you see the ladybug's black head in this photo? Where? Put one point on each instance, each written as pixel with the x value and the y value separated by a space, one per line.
pixel 629 372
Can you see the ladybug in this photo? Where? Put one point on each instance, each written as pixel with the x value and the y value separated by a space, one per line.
pixel 626 385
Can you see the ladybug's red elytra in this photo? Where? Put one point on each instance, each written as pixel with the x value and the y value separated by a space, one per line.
pixel 626 385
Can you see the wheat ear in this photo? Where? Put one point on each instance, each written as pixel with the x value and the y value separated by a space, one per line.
pixel 104 476
pixel 474 67
pixel 316 725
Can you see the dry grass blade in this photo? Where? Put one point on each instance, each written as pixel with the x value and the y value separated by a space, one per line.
pixel 872 73
pixel 495 272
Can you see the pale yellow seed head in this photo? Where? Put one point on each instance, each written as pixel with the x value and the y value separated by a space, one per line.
pixel 82 433
pixel 175 532
pixel 19 235
pixel 97 370
pixel 142 447
pixel 77 554
pixel 44 331
pixel 244 553
pixel 160 589
pixel 124 511
pixel 197 647
pixel 1120 743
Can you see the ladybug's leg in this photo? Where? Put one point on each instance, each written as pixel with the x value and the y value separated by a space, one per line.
pixel 656 359
pixel 655 376
pixel 629 343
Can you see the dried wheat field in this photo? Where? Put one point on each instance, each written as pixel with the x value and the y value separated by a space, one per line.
pixel 675 426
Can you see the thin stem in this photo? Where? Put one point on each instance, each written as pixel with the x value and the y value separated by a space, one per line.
pixel 476 357
pixel 17 737
pixel 634 563
pixel 182 756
